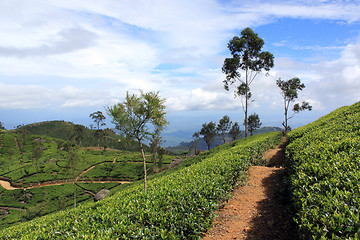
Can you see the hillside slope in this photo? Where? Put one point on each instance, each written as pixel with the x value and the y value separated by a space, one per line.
pixel 42 170
pixel 179 205
pixel 90 138
pixel 324 162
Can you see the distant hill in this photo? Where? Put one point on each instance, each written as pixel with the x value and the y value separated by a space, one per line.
pixel 184 146
pixel 49 166
pixel 67 131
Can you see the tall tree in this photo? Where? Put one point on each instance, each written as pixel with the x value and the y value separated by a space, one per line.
pixel 248 58
pixel 253 123
pixel 235 132
pixel 208 130
pixel 137 115
pixel 223 127
pixel 289 91
pixel 98 118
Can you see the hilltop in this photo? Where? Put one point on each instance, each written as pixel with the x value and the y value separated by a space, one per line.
pixel 89 137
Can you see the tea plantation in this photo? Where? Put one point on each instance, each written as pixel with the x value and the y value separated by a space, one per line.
pixel 179 204
pixel 28 160
pixel 324 162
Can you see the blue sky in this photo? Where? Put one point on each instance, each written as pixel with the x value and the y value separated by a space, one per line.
pixel 66 59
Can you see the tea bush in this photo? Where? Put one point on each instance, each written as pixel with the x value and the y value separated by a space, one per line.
pixel 180 205
pixel 324 162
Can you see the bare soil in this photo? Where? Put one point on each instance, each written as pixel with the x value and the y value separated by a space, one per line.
pixel 260 209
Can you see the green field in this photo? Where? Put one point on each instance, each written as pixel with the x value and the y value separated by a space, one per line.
pixel 30 160
pixel 179 203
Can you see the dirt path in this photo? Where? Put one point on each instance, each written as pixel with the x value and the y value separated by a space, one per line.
pixel 259 209
pixel 6 185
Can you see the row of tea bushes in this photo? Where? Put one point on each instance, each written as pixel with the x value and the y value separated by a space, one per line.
pixel 177 206
pixel 324 163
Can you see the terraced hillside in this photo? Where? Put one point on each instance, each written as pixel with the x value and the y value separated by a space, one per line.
pixel 178 204
pixel 324 162
pixel 42 172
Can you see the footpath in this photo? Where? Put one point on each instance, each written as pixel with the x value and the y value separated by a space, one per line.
pixel 260 209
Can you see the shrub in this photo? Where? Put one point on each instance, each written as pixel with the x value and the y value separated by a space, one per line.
pixel 324 162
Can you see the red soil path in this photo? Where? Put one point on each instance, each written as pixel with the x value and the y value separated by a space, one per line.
pixel 257 210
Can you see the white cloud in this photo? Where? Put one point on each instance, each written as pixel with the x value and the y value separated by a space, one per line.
pixel 328 83
pixel 347 11
pixel 121 42
pixel 33 96
pixel 67 40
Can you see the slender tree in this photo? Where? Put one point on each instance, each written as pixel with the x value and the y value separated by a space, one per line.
pixel 137 115
pixel 235 132
pixel 223 127
pixel 98 118
pixel 248 58
pixel 208 130
pixel 289 91
pixel 253 123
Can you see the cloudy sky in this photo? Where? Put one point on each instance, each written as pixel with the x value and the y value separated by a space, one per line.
pixel 62 60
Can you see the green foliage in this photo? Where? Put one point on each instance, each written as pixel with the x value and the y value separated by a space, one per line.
pixel 209 132
pixel 44 160
pixel 248 58
pixel 235 131
pixel 224 126
pixel 137 116
pixel 98 118
pixel 253 123
pixel 289 91
pixel 89 138
pixel 324 162
pixel 180 205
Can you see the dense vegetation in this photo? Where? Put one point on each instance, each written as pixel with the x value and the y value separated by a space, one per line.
pixel 29 160
pixel 179 205
pixel 89 137
pixel 324 162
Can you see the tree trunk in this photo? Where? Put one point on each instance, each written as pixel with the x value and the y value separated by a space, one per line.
pixel 285 115
pixel 144 160
pixel 246 102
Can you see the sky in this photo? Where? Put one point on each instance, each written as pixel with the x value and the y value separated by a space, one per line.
pixel 63 60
